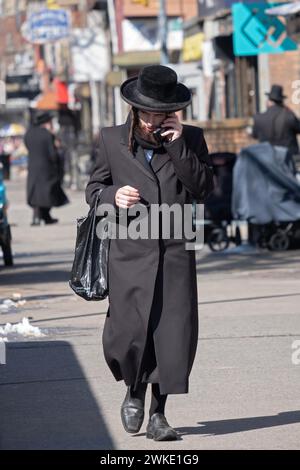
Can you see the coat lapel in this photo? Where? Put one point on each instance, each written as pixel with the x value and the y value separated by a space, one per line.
pixel 137 162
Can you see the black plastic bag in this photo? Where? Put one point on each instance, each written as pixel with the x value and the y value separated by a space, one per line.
pixel 89 275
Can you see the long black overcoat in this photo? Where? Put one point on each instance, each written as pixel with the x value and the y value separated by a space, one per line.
pixel 43 181
pixel 151 327
pixel 278 126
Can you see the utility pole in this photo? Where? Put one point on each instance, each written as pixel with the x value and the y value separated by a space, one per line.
pixel 115 49
pixel 163 32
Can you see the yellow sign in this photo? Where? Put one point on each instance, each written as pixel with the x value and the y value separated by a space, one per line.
pixel 193 47
pixel 52 5
pixel 141 2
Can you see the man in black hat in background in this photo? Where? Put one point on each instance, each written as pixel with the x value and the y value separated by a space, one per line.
pixel 278 125
pixel 43 182
pixel 151 329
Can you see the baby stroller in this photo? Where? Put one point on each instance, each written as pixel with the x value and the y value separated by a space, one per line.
pixel 5 234
pixel 218 228
pixel 266 193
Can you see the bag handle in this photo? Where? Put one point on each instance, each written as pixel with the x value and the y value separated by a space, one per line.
pixel 98 197
pixel 96 202
pixel 95 209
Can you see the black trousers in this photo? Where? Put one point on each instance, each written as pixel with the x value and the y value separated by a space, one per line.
pixel 42 213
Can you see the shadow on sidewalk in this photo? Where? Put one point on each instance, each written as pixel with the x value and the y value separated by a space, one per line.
pixel 38 276
pixel 38 268
pixel 210 262
pixel 230 426
pixel 46 401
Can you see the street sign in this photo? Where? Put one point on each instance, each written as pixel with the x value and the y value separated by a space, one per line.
pixel 47 26
pixel 256 32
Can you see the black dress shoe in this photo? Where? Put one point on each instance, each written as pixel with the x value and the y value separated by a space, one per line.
pixel 158 429
pixel 132 413
pixel 50 221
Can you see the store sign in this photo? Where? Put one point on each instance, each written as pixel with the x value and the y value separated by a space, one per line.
pixel 22 86
pixel 193 47
pixel 46 25
pixel 143 35
pixel 256 32
pixel 145 3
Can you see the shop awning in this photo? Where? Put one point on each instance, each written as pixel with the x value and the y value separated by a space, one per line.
pixel 285 10
pixel 46 101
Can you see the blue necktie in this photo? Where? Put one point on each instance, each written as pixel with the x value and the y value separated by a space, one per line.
pixel 148 155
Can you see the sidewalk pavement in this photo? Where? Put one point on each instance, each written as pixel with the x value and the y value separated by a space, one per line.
pixel 56 392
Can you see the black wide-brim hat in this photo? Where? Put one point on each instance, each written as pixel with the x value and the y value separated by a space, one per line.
pixel 42 117
pixel 276 94
pixel 156 89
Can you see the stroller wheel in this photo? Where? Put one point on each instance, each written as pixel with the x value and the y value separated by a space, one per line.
pixel 218 240
pixel 279 241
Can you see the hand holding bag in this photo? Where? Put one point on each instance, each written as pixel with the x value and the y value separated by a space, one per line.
pixel 89 275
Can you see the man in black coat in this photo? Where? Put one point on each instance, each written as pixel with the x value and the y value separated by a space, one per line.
pixel 278 125
pixel 151 328
pixel 43 183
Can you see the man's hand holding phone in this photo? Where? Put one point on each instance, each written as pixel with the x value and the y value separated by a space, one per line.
pixel 174 128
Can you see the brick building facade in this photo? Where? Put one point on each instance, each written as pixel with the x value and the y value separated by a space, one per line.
pixel 12 15
pixel 284 69
pixel 183 8
pixel 229 135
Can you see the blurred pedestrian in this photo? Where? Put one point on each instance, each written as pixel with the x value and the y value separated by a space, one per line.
pixel 69 127
pixel 151 328
pixel 44 175
pixel 278 125
pixel 61 149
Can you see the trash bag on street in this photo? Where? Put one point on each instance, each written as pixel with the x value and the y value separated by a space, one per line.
pixel 89 274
